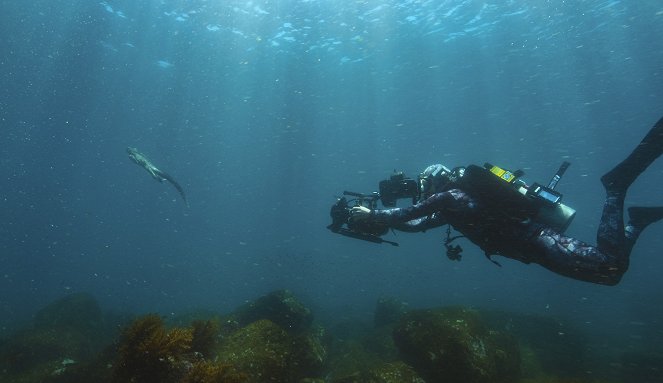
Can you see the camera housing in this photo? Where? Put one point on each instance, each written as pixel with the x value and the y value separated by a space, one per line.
pixel 397 187
pixel 344 224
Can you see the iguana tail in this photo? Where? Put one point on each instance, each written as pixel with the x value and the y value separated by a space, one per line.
pixel 176 185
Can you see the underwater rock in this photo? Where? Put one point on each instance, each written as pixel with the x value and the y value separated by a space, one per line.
pixel 380 341
pixel 63 334
pixel 42 348
pixel 310 351
pixel 388 311
pixel 358 356
pixel 396 372
pixel 453 345
pixel 204 336
pixel 351 358
pixel 357 348
pixel 209 372
pixel 280 307
pixel 266 352
pixel 148 352
pixel 350 329
pixel 79 311
pixel 642 367
pixel 97 369
pixel 550 345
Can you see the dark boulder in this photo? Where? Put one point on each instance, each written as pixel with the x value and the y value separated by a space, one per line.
pixel 388 311
pixel 78 311
pixel 267 353
pixel 452 345
pixel 395 372
pixel 280 307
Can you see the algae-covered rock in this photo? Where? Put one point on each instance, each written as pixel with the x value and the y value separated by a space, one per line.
pixel 396 372
pixel 79 311
pixel 148 352
pixel 380 341
pixel 267 353
pixel 210 372
pixel 63 334
pixel 310 351
pixel 31 348
pixel 280 307
pixel 97 369
pixel 388 311
pixel 361 350
pixel 350 357
pixel 453 345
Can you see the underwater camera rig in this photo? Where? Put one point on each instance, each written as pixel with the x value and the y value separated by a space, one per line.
pixel 396 187
pixel 502 191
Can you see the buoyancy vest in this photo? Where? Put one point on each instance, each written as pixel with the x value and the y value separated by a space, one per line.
pixel 502 216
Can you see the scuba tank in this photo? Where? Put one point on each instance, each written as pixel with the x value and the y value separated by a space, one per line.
pixel 550 210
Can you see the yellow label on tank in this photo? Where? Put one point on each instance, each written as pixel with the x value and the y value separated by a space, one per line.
pixel 503 174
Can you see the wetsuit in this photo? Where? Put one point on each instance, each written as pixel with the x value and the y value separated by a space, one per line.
pixel 531 242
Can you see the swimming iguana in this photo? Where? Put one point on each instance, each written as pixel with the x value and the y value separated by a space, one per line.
pixel 140 159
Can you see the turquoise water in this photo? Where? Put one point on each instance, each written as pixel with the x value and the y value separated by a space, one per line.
pixel 265 111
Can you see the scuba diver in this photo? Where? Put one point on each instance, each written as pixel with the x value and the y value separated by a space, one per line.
pixel 140 159
pixel 488 206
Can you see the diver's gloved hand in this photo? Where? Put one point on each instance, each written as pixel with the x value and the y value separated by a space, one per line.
pixel 360 212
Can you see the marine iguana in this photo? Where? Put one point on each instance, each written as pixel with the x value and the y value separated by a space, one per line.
pixel 140 159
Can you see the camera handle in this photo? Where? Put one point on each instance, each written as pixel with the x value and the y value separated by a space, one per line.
pixel 372 198
pixel 453 251
pixel 364 236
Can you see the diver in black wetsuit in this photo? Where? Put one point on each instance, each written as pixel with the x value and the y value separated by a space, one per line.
pixel 140 159
pixel 453 201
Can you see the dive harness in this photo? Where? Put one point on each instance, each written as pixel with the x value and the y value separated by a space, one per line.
pixel 507 199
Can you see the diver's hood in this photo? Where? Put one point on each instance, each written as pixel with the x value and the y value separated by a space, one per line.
pixel 433 179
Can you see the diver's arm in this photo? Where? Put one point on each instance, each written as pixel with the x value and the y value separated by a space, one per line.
pixel 397 216
pixel 435 204
pixel 421 224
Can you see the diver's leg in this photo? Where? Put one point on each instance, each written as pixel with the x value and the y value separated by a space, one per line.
pixel 609 260
pixel 610 234
pixel 640 218
pixel 611 238
pixel 650 148
pixel 575 259
pixel 606 263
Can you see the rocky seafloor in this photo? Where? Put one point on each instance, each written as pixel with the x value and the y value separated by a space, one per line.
pixel 275 338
